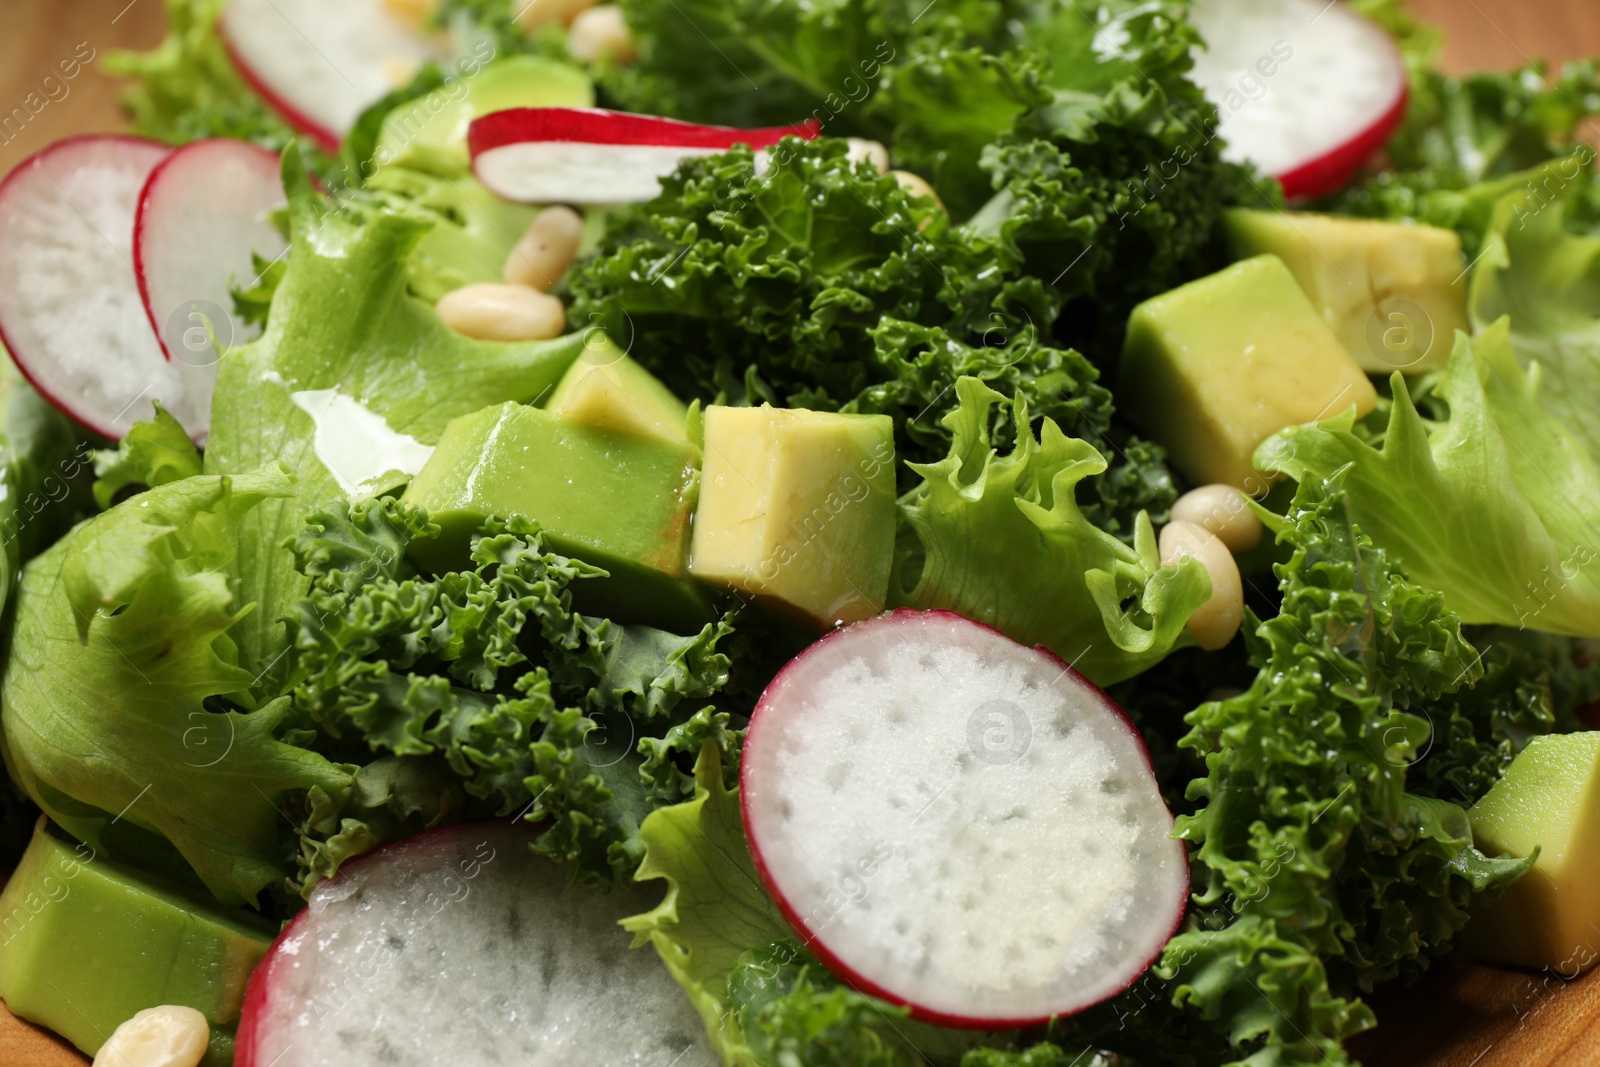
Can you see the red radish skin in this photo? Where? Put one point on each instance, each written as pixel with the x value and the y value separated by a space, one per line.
pixel 1306 90
pixel 594 156
pixel 200 218
pixel 320 63
pixel 772 702
pixel 622 1006
pixel 69 297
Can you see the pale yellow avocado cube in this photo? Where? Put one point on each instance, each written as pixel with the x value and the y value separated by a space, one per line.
pixel 1393 293
pixel 1212 369
pixel 607 390
pixel 797 508
pixel 1550 798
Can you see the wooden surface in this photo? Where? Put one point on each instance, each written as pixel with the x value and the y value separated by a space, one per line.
pixel 1460 1017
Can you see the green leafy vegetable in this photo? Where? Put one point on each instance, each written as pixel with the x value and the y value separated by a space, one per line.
pixel 126 713
pixel 1001 539
pixel 1318 873
pixel 572 721
pixel 342 321
pixel 154 452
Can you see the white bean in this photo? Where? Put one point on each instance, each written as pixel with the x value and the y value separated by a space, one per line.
pixel 492 312
pixel 1224 510
pixel 168 1036
pixel 533 15
pixel 917 185
pixel 546 250
pixel 601 33
pixel 872 152
pixel 1213 623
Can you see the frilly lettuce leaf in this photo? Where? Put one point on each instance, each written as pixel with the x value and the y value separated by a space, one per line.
pixel 154 452
pixel 341 318
pixel 1318 871
pixel 1000 538
pixel 1491 504
pixel 572 722
pixel 126 713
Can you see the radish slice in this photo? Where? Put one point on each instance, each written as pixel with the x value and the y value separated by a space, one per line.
pixel 573 155
pixel 1307 90
pixel 202 214
pixel 70 310
pixel 461 946
pixel 320 63
pixel 958 823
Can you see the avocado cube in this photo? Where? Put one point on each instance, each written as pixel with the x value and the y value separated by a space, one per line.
pixel 797 509
pixel 615 500
pixel 1548 798
pixel 1213 368
pixel 606 389
pixel 86 943
pixel 1393 293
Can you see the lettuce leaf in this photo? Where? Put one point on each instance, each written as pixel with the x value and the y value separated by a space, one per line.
pixel 154 452
pixel 1318 872
pixel 1490 504
pixel 127 716
pixel 569 721
pixel 342 319
pixel 1001 539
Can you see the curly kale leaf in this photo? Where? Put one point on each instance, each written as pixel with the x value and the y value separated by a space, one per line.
pixel 570 721
pixel 1319 870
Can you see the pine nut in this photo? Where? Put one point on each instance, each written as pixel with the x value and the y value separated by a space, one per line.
pixel 492 312
pixel 412 12
pixel 872 152
pixel 168 1036
pixel 1213 623
pixel 533 15
pixel 546 250
pixel 1224 510
pixel 601 33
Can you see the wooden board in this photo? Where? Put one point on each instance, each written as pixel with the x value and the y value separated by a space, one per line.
pixel 1461 1016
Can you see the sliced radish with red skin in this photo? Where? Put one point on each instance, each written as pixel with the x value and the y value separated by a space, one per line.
pixel 320 63
pixel 958 823
pixel 1307 90
pixel 573 155
pixel 201 216
pixel 70 310
pixel 462 946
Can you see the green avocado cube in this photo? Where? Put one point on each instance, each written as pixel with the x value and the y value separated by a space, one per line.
pixel 1393 293
pixel 797 510
pixel 616 500
pixel 606 389
pixel 1213 368
pixel 1549 798
pixel 430 132
pixel 86 943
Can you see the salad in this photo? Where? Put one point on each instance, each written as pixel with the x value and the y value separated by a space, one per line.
pixel 966 534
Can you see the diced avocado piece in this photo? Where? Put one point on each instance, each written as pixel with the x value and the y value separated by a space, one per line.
pixel 1213 368
pixel 606 389
pixel 616 500
pixel 1393 293
pixel 1548 798
pixel 430 132
pixel 797 508
pixel 85 943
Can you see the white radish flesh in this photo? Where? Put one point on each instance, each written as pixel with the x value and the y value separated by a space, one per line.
pixel 1307 90
pixel 201 216
pixel 70 309
pixel 460 946
pixel 320 63
pixel 959 823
